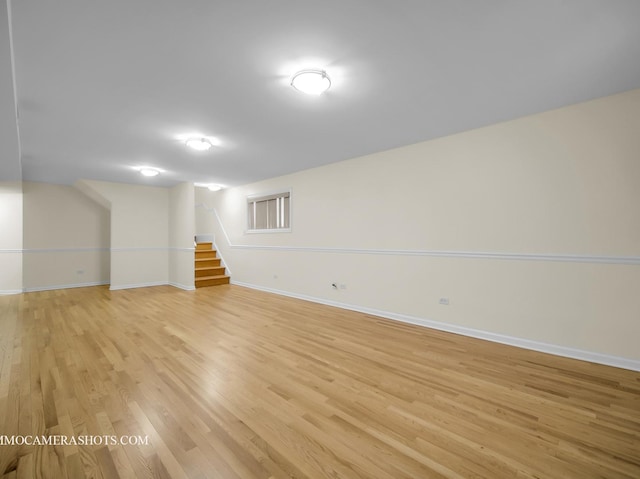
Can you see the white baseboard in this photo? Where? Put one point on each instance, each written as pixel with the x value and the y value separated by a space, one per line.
pixel 6 292
pixel 599 358
pixel 155 283
pixel 64 286
pixel 138 285
pixel 97 283
pixel 183 286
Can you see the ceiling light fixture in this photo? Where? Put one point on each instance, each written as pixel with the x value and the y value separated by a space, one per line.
pixel 209 186
pixel 146 171
pixel 311 82
pixel 199 144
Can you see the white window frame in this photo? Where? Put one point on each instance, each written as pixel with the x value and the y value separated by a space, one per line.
pixel 252 199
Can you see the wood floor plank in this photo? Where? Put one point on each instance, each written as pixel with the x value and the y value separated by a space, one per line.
pixel 228 382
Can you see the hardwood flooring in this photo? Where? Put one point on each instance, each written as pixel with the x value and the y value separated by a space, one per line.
pixel 228 382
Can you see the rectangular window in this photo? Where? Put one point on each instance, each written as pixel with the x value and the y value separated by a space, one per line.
pixel 269 213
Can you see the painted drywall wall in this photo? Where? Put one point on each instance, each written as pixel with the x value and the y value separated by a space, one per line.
pixel 139 232
pixel 66 238
pixel 181 234
pixel 529 228
pixel 10 237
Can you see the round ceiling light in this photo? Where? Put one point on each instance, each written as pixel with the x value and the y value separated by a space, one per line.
pixel 209 186
pixel 199 144
pixel 149 172
pixel 311 82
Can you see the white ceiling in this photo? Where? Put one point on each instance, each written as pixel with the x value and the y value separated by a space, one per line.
pixel 103 86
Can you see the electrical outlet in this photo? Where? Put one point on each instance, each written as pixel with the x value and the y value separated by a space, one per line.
pixel 80 271
pixel 444 301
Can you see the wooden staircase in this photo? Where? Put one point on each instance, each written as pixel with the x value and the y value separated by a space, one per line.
pixel 208 270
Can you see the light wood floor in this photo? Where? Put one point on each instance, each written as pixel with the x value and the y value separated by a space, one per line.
pixel 233 383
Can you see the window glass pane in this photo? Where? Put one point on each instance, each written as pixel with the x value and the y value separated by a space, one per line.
pixel 272 217
pixel 261 215
pixel 286 212
pixel 268 212
pixel 250 215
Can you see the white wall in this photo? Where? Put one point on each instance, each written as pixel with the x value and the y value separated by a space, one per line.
pixel 10 237
pixel 66 238
pixel 139 232
pixel 181 234
pixel 531 229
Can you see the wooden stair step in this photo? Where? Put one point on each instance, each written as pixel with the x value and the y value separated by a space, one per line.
pixel 206 254
pixel 209 271
pixel 208 266
pixel 207 262
pixel 204 246
pixel 212 280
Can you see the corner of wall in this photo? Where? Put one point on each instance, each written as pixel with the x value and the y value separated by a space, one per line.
pixel 11 239
pixel 88 189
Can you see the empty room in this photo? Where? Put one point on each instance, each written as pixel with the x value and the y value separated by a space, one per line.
pixel 350 239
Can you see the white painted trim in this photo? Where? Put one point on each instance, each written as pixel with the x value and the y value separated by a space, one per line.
pixel 65 250
pixel 7 292
pixel 182 286
pixel 140 249
pixel 628 260
pixel 554 349
pixel 564 258
pixel 89 250
pixel 65 286
pixel 270 231
pixel 138 285
pixel 222 262
pixel 98 283
pixel 276 192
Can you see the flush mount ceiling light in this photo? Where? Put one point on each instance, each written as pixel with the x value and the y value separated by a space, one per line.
pixel 146 171
pixel 210 186
pixel 311 82
pixel 199 144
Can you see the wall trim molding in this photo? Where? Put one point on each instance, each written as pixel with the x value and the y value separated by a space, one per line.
pixel 564 258
pixel 89 250
pixel 139 249
pixel 185 287
pixel 64 250
pixel 150 248
pixel 222 261
pixel 65 286
pixel 7 292
pixel 548 348
pixel 138 285
pixel 182 286
pixel 98 283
